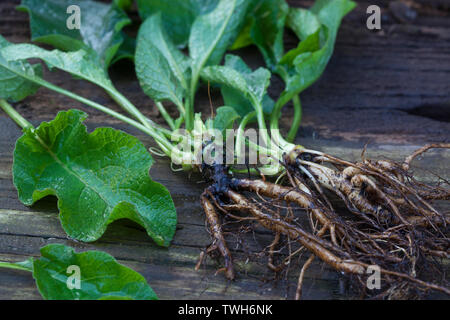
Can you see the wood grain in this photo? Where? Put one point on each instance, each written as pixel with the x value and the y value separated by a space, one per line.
pixel 390 88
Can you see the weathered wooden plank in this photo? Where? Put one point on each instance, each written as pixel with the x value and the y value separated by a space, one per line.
pixel 166 280
pixel 170 271
pixel 125 235
pixel 375 88
pixel 23 232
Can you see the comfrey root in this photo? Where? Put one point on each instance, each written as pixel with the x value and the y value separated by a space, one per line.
pixel 392 226
pixel 391 212
pixel 217 234
pixel 381 190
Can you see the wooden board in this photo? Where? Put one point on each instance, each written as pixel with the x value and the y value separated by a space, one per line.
pixel 390 88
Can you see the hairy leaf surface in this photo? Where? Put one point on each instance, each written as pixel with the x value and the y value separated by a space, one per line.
pixel 12 86
pixel 213 33
pixel 241 87
pixel 160 66
pixel 81 63
pixel 225 118
pixel 98 178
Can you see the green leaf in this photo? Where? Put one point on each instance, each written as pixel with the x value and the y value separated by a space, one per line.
pixel 331 12
pixel 100 28
pixel 13 87
pixel 213 33
pixel 98 178
pixel 161 68
pixel 305 49
pixel 226 76
pixel 264 28
pixel 82 64
pixel 126 50
pixel 225 118
pixel 123 4
pixel 257 81
pixel 177 15
pixel 268 29
pixel 101 276
pixel 244 39
pixel 307 66
pixel 303 22
pixel 241 87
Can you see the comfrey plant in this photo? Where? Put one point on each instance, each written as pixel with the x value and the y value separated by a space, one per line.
pixel 181 44
pixel 89 275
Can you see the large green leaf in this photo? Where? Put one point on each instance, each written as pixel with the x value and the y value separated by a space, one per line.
pixel 226 76
pixel 177 15
pixel 100 28
pixel 82 64
pixel 160 66
pixel 308 66
pixel 257 81
pixel 101 276
pixel 98 178
pixel 213 33
pixel 241 87
pixel 316 28
pixel 12 86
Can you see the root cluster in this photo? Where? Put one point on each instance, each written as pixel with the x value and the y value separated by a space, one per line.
pixel 386 220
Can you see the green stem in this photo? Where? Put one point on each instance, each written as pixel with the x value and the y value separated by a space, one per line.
pixel 270 151
pixel 276 113
pixel 165 115
pixel 166 132
pixel 122 101
pixel 260 118
pixel 270 148
pixel 147 129
pixel 179 122
pixel 274 126
pixel 10 111
pixel 153 132
pixel 297 119
pixel 189 116
pixel 240 132
pixel 13 266
pixel 180 107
